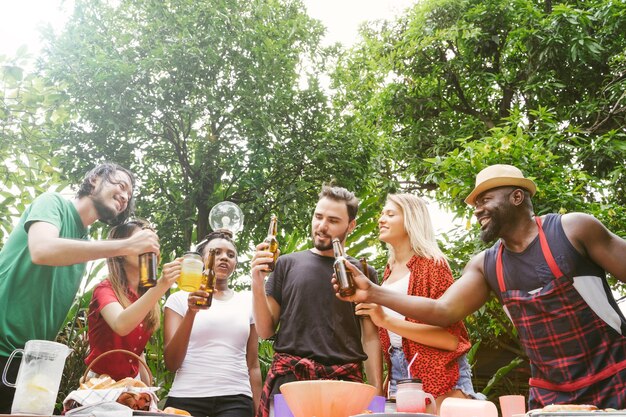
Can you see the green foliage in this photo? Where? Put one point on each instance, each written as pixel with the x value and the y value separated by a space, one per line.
pixel 451 70
pixel 455 85
pixel 501 373
pixel 30 111
pixel 266 355
pixel 206 101
pixel 217 100
pixel 74 335
pixel 154 353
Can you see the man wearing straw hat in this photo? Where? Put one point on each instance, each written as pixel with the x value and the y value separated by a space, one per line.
pixel 549 272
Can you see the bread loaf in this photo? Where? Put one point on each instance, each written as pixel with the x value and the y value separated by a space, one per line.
pixel 178 411
pixel 106 382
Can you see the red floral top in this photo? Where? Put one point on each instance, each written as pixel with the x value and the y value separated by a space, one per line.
pixel 438 369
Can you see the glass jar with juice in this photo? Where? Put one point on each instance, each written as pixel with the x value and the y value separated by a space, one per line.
pixel 191 272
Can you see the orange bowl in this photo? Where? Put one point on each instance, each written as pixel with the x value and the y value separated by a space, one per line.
pixel 327 398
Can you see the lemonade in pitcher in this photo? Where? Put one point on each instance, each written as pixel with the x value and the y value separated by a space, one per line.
pixel 191 272
pixel 38 378
pixel 36 396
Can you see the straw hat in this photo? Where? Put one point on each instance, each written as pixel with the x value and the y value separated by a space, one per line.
pixel 499 176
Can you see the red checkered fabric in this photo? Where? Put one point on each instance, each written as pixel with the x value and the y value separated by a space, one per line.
pixel 575 356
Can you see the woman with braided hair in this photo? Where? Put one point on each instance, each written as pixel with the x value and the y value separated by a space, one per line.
pixel 214 350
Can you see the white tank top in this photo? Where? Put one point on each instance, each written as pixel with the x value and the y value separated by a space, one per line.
pixel 400 286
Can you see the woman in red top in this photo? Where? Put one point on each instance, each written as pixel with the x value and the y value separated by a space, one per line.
pixel 121 314
pixel 417 266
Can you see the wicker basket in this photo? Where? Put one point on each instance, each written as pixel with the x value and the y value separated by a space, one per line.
pixel 83 379
pixel 137 398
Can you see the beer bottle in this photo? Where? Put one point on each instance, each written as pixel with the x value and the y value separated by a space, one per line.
pixel 344 276
pixel 272 231
pixel 147 269
pixel 147 266
pixel 208 279
pixel 366 272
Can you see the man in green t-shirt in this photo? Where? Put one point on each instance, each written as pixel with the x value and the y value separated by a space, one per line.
pixel 42 262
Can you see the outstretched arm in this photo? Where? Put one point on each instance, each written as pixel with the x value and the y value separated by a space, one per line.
pixel 425 334
pixel 47 248
pixel 123 320
pixel 465 295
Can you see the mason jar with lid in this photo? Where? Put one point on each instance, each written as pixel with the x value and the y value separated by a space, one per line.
pixel 411 398
pixel 190 272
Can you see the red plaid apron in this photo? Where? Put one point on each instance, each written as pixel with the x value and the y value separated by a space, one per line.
pixel 304 369
pixel 575 357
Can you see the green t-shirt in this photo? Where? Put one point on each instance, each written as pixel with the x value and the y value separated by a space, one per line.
pixel 35 299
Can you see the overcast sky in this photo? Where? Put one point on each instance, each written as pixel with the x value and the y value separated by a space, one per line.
pixel 20 19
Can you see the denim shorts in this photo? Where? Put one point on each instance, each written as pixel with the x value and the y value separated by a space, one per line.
pixel 399 371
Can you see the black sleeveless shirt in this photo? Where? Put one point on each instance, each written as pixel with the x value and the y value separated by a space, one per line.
pixel 529 271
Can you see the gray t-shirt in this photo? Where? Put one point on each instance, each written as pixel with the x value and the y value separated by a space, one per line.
pixel 314 323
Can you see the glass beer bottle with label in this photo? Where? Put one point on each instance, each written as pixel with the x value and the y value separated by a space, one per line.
pixel 148 263
pixel 271 240
pixel 208 279
pixel 344 277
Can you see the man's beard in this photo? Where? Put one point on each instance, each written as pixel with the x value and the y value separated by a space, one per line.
pixel 490 233
pixel 320 246
pixel 496 222
pixel 106 214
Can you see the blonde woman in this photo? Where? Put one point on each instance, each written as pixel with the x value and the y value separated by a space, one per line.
pixel 121 314
pixel 417 266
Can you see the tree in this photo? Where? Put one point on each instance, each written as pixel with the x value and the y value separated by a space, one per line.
pixel 30 111
pixel 207 101
pixel 453 86
pixel 451 70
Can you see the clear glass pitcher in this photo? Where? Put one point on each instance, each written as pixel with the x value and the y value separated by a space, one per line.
pixel 38 378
